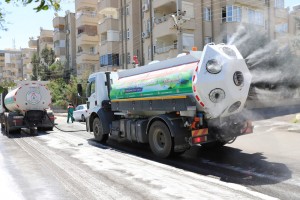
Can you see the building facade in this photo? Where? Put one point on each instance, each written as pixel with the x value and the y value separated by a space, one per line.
pixel 64 42
pixel 45 40
pixel 87 37
pixel 11 65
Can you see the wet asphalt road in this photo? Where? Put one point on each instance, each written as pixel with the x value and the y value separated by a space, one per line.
pixel 71 165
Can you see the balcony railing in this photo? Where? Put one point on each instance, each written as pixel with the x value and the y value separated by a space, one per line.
pixel 87 57
pixel 103 4
pixel 164 49
pixel 84 4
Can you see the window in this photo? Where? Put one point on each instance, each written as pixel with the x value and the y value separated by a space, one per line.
pixel 109 59
pixel 255 17
pixel 279 3
pixel 207 40
pixel 128 34
pixel 281 28
pixel 79 49
pixel 92 49
pixel 207 14
pixel 187 41
pixel 128 58
pixel 91 87
pixel 127 10
pixel 188 9
pixel 231 14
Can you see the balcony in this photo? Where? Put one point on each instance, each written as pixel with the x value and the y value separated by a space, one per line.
pixel 87 18
pixel 85 4
pixel 256 4
pixel 84 38
pixel 26 60
pixel 86 57
pixel 164 26
pixel 281 13
pixel 32 43
pixel 107 5
pixel 59 35
pixel 58 22
pixel 108 24
pixel 111 47
pixel 164 3
pixel 46 34
pixel 60 51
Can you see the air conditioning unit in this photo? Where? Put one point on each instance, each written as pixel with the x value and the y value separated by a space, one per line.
pixel 145 34
pixel 145 7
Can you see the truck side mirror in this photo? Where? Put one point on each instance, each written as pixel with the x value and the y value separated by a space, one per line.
pixel 79 89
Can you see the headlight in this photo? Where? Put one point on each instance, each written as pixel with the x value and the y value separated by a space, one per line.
pixel 234 107
pixel 217 95
pixel 238 78
pixel 228 51
pixel 213 67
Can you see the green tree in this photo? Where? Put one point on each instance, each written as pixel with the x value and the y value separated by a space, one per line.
pixel 58 92
pixel 56 70
pixel 35 61
pixel 7 84
pixel 47 59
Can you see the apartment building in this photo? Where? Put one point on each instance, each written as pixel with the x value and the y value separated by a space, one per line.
pixel 294 29
pixel 27 66
pixel 87 37
pixel 109 33
pixel 11 65
pixel 159 29
pixel 45 40
pixel 64 41
pixel 2 64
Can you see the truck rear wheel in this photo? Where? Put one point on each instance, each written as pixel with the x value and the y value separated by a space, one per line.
pixel 160 140
pixel 98 130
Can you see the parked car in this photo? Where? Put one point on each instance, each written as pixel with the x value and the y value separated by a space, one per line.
pixel 80 113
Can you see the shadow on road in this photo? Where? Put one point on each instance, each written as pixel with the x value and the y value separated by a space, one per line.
pixel 228 164
pixel 270 112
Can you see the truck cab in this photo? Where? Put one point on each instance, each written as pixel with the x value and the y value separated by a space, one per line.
pixel 98 89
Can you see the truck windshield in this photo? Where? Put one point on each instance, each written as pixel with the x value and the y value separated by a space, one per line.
pixel 90 87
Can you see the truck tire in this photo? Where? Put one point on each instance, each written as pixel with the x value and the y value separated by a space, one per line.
pixel 98 130
pixel 160 140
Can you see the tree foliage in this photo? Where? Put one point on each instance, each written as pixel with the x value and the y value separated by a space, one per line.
pixel 45 68
pixel 64 93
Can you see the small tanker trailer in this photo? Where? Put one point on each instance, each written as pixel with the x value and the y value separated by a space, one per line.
pixel 194 99
pixel 26 106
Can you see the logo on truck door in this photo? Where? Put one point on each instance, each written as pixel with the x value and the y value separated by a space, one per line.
pixel 33 96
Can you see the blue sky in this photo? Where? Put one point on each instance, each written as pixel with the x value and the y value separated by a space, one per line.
pixel 24 22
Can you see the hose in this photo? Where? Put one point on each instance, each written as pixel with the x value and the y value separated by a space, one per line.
pixel 59 128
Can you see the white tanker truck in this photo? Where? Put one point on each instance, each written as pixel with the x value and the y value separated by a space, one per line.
pixel 173 104
pixel 26 106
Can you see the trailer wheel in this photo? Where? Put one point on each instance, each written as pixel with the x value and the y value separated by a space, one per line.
pixel 160 140
pixel 99 131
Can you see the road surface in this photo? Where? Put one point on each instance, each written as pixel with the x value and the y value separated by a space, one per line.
pixel 71 165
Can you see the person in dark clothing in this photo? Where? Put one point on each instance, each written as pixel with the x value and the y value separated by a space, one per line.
pixel 70 113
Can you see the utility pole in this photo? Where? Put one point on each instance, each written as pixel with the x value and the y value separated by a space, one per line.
pixel 179 25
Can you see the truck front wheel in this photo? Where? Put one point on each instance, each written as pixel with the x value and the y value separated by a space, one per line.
pixel 99 131
pixel 160 140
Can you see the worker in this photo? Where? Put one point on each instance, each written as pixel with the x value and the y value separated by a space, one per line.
pixel 70 112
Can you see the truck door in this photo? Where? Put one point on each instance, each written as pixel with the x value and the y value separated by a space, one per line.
pixel 91 94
